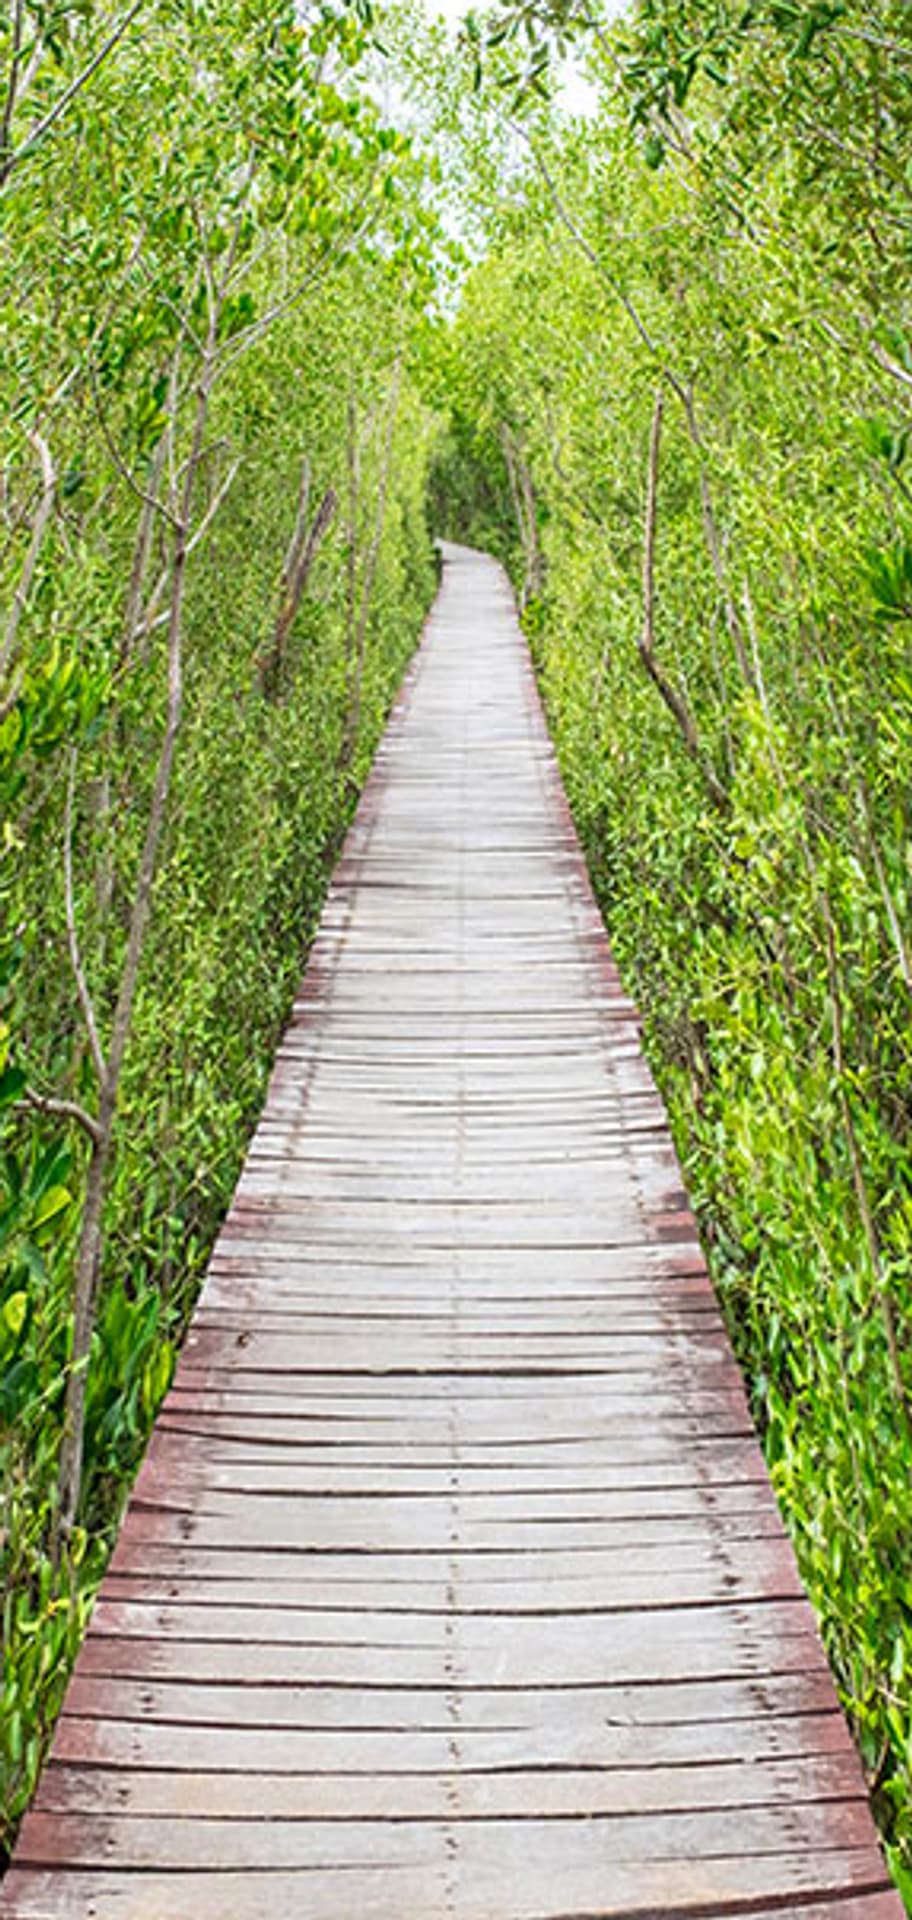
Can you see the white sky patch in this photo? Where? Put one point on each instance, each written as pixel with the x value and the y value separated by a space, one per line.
pixel 577 94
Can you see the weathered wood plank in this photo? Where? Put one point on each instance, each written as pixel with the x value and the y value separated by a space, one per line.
pixel 380 1793
pixel 641 1892
pixel 788 1833
pixel 362 1704
pixel 473 1629
pixel 594 1743
pixel 540 1592
pixel 424 1651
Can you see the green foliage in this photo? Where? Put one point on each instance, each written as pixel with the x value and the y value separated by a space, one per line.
pixel 211 194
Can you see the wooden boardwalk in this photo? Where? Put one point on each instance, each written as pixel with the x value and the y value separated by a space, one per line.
pixel 453 1586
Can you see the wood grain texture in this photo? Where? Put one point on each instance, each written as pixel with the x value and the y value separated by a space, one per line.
pixel 452 1586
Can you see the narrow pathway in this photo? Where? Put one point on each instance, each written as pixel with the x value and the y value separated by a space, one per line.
pixel 453 1586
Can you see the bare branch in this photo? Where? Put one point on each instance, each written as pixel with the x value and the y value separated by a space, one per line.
pixel 235 241
pixel 758 679
pixel 149 620
pixel 302 552
pixel 871 39
pixel 82 988
pixel 141 550
pixel 35 1102
pixel 213 507
pixel 353 715
pixel 6 121
pixel 11 695
pixel 319 527
pixel 42 518
pixel 891 366
pixel 151 500
pixel 713 538
pixel 299 530
pixel 239 342
pixel 28 78
pixel 652 490
pixel 204 260
pixel 674 701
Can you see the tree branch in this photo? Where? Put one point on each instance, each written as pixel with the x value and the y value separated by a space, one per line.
pixel 299 559
pixel 6 123
pixel 714 540
pixel 34 1102
pixel 674 701
pixel 221 494
pixel 891 366
pixel 353 715
pixel 42 517
pixel 82 988
pixel 150 500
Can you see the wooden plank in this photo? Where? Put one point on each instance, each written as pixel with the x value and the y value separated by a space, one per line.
pixel 591 1742
pixel 453 1586
pixel 426 1650
pixel 472 1628
pixel 366 1793
pixel 283 1494
pixel 387 1526
pixel 785 1834
pixel 565 1591
pixel 375 1705
pixel 676 1891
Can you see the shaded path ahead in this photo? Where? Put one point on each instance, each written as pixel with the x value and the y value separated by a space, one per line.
pixel 453 1587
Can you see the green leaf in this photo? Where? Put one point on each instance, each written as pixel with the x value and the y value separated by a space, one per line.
pixel 14 1312
pixel 12 1081
pixel 55 1201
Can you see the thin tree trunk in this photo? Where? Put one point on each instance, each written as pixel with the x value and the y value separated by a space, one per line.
pixel 713 540
pixel 523 495
pixel 141 552
pixel 674 701
pixel 534 580
pixel 351 527
pixel 353 714
pixel 506 441
pixel 302 552
pixel 39 529
pixel 12 86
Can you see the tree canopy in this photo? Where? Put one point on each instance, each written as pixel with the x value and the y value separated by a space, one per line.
pixel 284 292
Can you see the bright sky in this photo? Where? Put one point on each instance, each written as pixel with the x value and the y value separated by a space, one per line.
pixel 577 94
pixel 453 10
